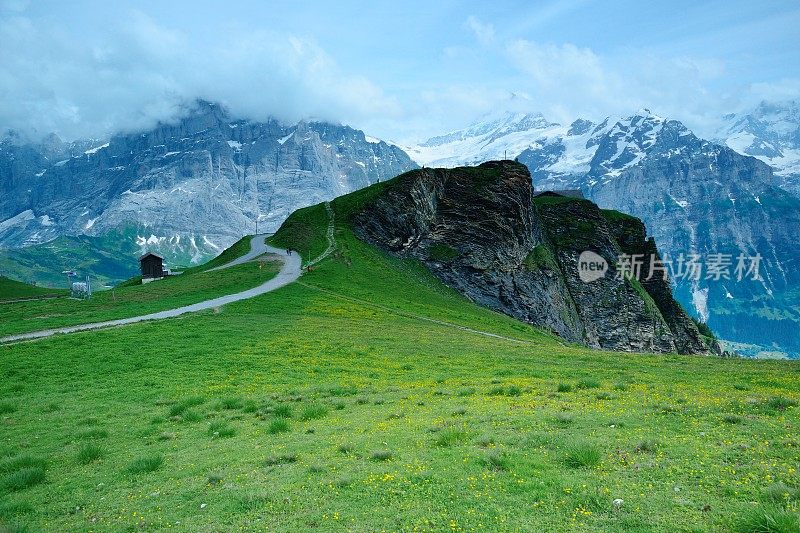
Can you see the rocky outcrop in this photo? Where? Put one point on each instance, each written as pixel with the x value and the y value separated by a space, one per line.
pixel 481 232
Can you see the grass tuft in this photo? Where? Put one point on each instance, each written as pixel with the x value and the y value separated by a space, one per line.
pixel 646 446
pixel 780 403
pixel 89 453
pixel 582 455
pixel 588 383
pixel 780 493
pixel 191 416
pixel 768 520
pixel 7 407
pixel 346 449
pixel 381 455
pixel 179 408
pixel 10 464
pixel 449 437
pixel 143 465
pixel 564 387
pixel 231 403
pixel 563 419
pixel 498 461
pixel 278 425
pixel 22 478
pixel 221 429
pixel 732 419
pixel 281 460
pixel 313 412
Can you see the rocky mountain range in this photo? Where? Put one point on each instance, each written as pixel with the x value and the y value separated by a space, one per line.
pixel 480 231
pixel 771 133
pixel 697 198
pixel 186 189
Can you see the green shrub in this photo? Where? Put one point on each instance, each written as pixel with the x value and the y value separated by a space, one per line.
pixel 564 387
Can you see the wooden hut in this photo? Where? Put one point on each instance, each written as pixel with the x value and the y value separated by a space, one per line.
pixel 152 266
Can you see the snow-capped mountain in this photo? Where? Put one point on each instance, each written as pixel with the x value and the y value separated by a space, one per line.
pixel 770 132
pixel 187 189
pixel 695 196
pixel 491 137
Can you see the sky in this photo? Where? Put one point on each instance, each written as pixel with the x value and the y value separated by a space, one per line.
pixel 401 71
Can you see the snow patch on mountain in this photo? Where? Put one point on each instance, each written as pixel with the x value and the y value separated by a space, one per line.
pixel 771 133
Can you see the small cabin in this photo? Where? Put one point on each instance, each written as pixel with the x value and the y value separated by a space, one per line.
pixel 152 266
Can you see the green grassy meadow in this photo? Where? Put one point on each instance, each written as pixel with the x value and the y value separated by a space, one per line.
pixel 356 400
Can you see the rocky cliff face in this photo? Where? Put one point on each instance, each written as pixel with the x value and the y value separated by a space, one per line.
pixel 187 189
pixel 481 232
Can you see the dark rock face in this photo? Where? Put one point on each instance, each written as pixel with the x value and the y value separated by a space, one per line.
pixel 479 230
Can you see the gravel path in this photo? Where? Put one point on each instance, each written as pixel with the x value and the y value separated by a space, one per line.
pixel 289 272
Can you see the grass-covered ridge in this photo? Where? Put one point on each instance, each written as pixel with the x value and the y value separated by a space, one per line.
pixel 337 403
pixel 11 289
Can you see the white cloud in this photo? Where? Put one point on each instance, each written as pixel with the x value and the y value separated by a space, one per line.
pixel 484 32
pixel 566 81
pixel 144 72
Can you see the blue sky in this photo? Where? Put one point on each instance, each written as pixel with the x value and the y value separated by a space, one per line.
pixel 401 71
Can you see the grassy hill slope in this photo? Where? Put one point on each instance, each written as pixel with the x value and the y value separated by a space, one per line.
pixel 358 399
pixel 16 290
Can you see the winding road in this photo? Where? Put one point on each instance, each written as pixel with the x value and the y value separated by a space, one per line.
pixel 289 272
